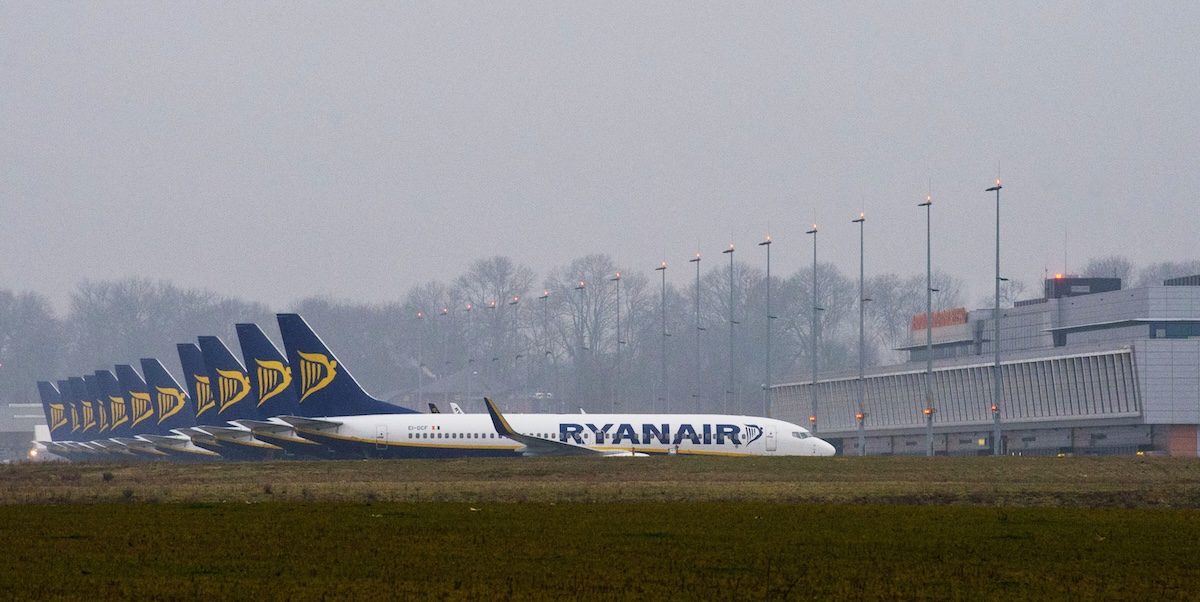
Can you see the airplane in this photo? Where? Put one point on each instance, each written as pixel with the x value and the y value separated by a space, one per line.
pixel 272 380
pixel 143 413
pixel 57 438
pixel 223 394
pixel 127 415
pixel 414 435
pixel 175 420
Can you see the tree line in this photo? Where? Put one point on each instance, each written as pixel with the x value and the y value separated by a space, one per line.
pixel 551 344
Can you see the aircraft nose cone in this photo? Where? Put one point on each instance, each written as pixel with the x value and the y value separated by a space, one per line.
pixel 825 449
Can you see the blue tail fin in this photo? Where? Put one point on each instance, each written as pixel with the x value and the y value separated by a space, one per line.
pixel 143 419
pixel 199 386
pixel 56 411
pixel 324 385
pixel 99 404
pixel 118 404
pixel 270 372
pixel 230 383
pixel 170 401
pixel 82 424
pixel 65 394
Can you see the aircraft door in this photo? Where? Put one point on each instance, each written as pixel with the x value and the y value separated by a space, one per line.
pixel 380 436
pixel 772 442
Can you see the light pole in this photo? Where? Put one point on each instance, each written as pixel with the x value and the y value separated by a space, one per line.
pixel 420 358
pixel 440 327
pixel 470 356
pixel 997 449
pixel 493 349
pixel 617 381
pixel 663 361
pixel 862 347
pixel 928 205
pixel 696 383
pixel 513 318
pixel 545 299
pixel 766 400
pixel 812 418
pixel 582 347
pixel 729 388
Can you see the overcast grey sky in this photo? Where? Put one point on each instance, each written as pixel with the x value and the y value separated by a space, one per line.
pixel 278 150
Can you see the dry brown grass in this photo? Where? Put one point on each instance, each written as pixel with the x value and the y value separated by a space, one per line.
pixel 1115 482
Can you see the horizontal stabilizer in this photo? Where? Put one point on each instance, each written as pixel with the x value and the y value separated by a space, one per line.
pixel 314 424
pixel 265 426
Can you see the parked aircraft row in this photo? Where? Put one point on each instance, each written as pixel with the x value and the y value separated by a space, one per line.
pixel 304 403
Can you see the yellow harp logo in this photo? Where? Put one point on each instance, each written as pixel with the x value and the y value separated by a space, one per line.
pixel 141 407
pixel 204 396
pixel 74 418
pixel 316 372
pixel 273 378
pixel 120 413
pixel 233 386
pixel 89 417
pixel 58 417
pixel 170 401
pixel 101 415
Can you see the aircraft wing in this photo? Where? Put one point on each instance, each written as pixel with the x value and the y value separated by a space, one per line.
pixel 536 446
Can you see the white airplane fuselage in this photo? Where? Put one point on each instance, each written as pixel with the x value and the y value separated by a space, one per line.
pixel 456 435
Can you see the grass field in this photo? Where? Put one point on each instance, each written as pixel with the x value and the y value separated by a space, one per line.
pixel 637 528
pixel 1111 482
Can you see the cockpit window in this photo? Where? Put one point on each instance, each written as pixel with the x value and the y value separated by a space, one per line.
pixel 800 434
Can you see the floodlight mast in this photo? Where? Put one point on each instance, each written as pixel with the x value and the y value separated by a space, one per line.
pixel 997 448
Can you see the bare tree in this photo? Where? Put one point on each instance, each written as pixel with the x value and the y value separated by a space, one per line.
pixel 1113 266
pixel 124 320
pixel 1155 274
pixel 32 345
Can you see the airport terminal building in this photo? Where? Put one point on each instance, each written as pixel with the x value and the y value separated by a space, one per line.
pixel 1090 368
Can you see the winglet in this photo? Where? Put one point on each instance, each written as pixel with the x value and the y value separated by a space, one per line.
pixel 498 420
